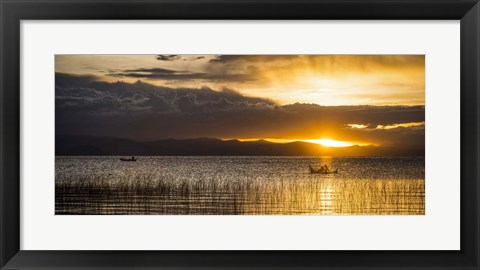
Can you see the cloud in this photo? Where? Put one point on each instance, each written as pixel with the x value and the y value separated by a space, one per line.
pixel 143 111
pixel 403 125
pixel 332 79
pixel 168 74
pixel 84 93
pixel 323 79
pixel 360 126
pixel 71 80
pixel 189 104
pixel 156 73
pixel 356 62
pixel 226 58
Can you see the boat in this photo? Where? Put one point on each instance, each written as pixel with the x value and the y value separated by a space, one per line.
pixel 128 159
pixel 330 172
pixel 321 171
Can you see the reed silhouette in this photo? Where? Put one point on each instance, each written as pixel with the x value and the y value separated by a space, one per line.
pixel 157 194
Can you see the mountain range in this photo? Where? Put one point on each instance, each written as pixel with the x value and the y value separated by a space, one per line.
pixel 84 145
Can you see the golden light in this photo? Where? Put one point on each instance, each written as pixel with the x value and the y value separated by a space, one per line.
pixel 405 125
pixel 330 143
pixel 324 142
pixel 359 126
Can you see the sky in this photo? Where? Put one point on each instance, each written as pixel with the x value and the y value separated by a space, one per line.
pixel 335 100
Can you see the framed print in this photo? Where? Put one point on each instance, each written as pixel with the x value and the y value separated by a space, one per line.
pixel 233 134
pixel 186 156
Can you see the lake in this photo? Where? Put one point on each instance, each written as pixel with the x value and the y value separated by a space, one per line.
pixel 249 185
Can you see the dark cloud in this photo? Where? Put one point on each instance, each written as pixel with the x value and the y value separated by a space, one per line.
pixel 143 111
pixel 69 80
pixel 84 93
pixel 168 74
pixel 155 73
pixel 168 57
pixel 251 58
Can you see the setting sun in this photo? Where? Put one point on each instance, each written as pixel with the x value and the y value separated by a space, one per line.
pixel 324 142
pixel 330 143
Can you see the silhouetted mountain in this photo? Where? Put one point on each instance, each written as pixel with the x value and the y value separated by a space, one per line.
pixel 72 145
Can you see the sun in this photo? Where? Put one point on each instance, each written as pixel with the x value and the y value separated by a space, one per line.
pixel 330 143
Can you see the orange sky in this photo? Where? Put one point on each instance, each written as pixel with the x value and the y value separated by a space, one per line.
pixel 286 79
pixel 277 97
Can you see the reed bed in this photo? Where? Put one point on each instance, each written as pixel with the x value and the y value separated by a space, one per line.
pixel 219 194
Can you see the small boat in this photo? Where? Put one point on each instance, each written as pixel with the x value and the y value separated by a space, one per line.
pixel 321 171
pixel 128 159
pixel 330 172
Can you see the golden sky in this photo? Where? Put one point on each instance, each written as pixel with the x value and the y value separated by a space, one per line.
pixel 334 100
pixel 285 79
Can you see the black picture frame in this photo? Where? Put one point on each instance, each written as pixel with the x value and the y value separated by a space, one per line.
pixel 13 11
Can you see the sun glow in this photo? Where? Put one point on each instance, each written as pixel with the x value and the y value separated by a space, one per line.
pixel 330 143
pixel 324 142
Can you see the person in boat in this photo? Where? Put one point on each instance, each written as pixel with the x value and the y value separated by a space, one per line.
pixel 322 169
pixel 313 170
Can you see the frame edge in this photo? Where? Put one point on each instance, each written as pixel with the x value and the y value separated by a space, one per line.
pixel 10 152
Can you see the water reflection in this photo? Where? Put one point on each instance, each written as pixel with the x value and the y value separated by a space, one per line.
pixel 239 186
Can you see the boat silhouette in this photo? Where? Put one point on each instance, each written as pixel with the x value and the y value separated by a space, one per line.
pixel 128 159
pixel 322 170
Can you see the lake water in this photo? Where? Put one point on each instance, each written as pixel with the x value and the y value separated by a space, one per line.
pixel 239 186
